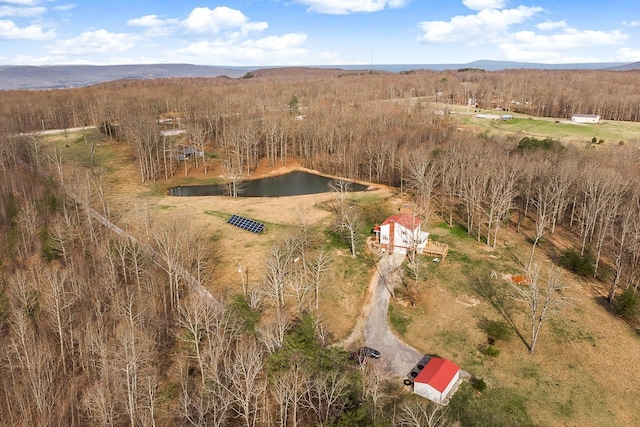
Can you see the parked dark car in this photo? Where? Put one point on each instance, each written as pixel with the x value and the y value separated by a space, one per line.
pixel 368 352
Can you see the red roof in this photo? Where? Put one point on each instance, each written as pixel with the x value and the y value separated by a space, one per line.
pixel 438 373
pixel 406 220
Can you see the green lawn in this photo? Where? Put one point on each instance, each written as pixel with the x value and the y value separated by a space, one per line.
pixel 611 132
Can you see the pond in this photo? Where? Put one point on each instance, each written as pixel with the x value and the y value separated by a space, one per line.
pixel 291 184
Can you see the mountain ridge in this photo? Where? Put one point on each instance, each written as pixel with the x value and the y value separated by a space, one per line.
pixel 29 77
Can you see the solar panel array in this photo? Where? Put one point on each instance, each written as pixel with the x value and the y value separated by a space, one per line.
pixel 246 224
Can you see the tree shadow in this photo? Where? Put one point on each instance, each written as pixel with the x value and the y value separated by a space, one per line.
pixel 488 289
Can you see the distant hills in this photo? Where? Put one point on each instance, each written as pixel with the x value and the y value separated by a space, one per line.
pixel 68 76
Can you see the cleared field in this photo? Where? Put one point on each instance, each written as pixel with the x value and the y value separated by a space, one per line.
pixel 610 132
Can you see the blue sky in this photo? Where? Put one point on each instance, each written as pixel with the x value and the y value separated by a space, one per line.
pixel 317 32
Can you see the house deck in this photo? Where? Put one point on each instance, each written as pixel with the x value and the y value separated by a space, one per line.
pixel 436 249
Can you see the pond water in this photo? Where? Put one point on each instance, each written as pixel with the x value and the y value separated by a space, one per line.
pixel 291 184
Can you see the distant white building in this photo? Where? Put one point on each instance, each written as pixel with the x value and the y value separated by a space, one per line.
pixel 585 118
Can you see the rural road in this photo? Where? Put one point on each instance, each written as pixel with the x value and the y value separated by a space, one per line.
pixel 398 357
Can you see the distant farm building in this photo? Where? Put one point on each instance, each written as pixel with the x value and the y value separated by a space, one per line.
pixel 585 118
pixel 172 132
pixel 436 379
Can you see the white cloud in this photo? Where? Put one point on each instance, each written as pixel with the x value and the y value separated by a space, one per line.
pixel 22 2
pixel 333 58
pixel 485 25
pixel 550 25
pixel 484 4
pixel 146 21
pixel 10 31
pixel 22 12
pixel 275 43
pixel 628 55
pixel 154 25
pixel 561 47
pixel 343 7
pixel 64 7
pixel 631 23
pixel 253 27
pixel 271 50
pixel 203 20
pixel 99 41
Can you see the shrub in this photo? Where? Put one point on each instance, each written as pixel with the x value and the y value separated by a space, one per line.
pixel 478 384
pixel 247 317
pixel 582 265
pixel 496 330
pixel 490 350
pixel 626 304
pixel 531 144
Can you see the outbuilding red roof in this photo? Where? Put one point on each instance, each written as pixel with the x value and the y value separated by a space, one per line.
pixel 406 220
pixel 438 373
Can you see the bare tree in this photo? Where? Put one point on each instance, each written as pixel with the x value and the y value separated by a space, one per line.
pixel 245 369
pixel 289 389
pixel 318 266
pixel 542 297
pixel 374 385
pixel 623 236
pixel 501 194
pixel 350 223
pixel 272 329
pixel 278 267
pixel 422 180
pixel 543 201
pixel 195 316
pixel 422 413
pixel 348 219
pixel 327 396
pixel 59 301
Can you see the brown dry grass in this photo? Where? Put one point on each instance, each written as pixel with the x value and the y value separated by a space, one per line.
pixel 584 371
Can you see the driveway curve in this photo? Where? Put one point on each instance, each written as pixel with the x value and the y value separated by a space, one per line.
pixel 398 357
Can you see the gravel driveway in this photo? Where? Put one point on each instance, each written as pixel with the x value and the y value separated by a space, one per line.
pixel 398 357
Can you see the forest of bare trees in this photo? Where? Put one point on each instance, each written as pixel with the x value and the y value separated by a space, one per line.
pixel 101 330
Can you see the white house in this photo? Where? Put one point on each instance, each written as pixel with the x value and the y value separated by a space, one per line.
pixel 437 380
pixel 401 233
pixel 585 118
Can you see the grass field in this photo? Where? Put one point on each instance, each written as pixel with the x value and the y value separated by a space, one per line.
pixel 610 132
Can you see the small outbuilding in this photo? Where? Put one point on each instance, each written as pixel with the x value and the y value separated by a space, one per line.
pixel 437 380
pixel 585 118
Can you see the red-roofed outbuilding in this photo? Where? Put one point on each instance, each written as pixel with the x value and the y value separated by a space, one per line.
pixel 437 380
